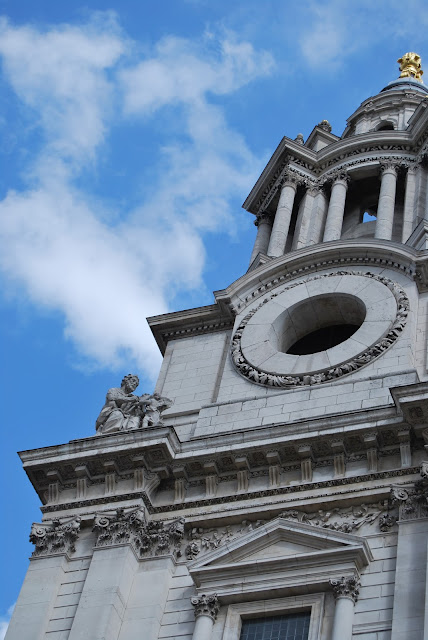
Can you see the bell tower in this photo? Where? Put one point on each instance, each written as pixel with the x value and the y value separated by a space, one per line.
pixel 275 484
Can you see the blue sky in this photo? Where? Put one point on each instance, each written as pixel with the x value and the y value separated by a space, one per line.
pixel 130 134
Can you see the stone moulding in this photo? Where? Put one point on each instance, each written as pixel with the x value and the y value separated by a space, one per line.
pixel 55 537
pixel 287 380
pixel 242 497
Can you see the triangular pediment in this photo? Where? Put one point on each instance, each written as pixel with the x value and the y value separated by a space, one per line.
pixel 280 556
pixel 279 538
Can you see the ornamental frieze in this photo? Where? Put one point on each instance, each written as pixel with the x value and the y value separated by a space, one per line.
pixel 346 520
pixel 55 537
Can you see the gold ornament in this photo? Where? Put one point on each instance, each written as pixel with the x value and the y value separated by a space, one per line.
pixel 410 66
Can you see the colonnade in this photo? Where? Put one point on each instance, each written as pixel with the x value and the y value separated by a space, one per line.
pixel 320 219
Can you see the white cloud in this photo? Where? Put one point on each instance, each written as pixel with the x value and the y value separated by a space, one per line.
pixel 57 242
pixel 61 74
pixel 4 621
pixel 178 73
pixel 333 30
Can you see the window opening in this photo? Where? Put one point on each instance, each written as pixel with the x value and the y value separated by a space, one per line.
pixel 323 339
pixel 294 626
pixel 386 126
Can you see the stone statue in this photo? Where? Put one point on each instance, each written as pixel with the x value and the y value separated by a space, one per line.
pixel 153 406
pixel 123 410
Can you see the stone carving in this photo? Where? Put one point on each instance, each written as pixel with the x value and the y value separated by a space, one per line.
pixel 386 521
pixel 192 550
pixel 346 520
pixel 148 538
pixel 412 501
pixel 153 407
pixel 263 217
pixel 203 540
pixel 265 287
pixel 55 537
pixel 123 410
pixel 325 125
pixel 285 380
pixel 346 588
pixel 118 527
pixel 159 538
pixel 206 605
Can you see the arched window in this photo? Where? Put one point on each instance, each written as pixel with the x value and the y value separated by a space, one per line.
pixel 385 126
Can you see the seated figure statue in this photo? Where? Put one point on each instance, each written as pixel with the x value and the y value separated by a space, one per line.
pixel 122 409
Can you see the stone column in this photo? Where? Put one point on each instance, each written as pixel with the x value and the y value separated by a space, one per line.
pixel 54 543
pixel 281 224
pixel 206 611
pixel 409 202
pixel 386 204
pixel 336 207
pixel 319 215
pixel 304 217
pixel 345 591
pixel 263 223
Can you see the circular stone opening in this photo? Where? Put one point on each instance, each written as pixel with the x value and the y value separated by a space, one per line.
pixel 319 323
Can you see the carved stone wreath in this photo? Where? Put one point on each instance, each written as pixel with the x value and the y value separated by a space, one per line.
pixel 263 376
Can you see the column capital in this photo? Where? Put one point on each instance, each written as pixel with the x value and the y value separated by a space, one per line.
pixel 389 166
pixel 411 165
pixel 313 188
pixel 206 605
pixel 130 526
pixel 346 588
pixel 55 537
pixel 290 179
pixel 340 176
pixel 263 217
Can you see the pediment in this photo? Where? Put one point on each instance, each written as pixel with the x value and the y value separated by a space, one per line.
pixel 290 555
pixel 279 538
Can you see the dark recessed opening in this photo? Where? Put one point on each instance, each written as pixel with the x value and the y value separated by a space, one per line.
pixel 323 339
pixel 388 126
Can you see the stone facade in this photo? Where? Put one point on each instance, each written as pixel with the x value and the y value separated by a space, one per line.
pixel 282 463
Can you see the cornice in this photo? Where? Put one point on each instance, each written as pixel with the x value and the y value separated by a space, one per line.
pixel 183 324
pixel 208 503
pixel 341 253
pixel 405 145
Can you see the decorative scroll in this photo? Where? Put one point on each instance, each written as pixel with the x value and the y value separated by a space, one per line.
pixel 346 588
pixel 412 501
pixel 54 537
pixel 147 538
pixel 206 605
pixel 287 381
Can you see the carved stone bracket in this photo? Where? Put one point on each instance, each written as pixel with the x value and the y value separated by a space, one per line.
pixel 346 588
pixel 206 605
pixel 147 538
pixel 55 537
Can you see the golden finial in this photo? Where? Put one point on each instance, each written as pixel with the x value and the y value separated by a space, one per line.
pixel 410 66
